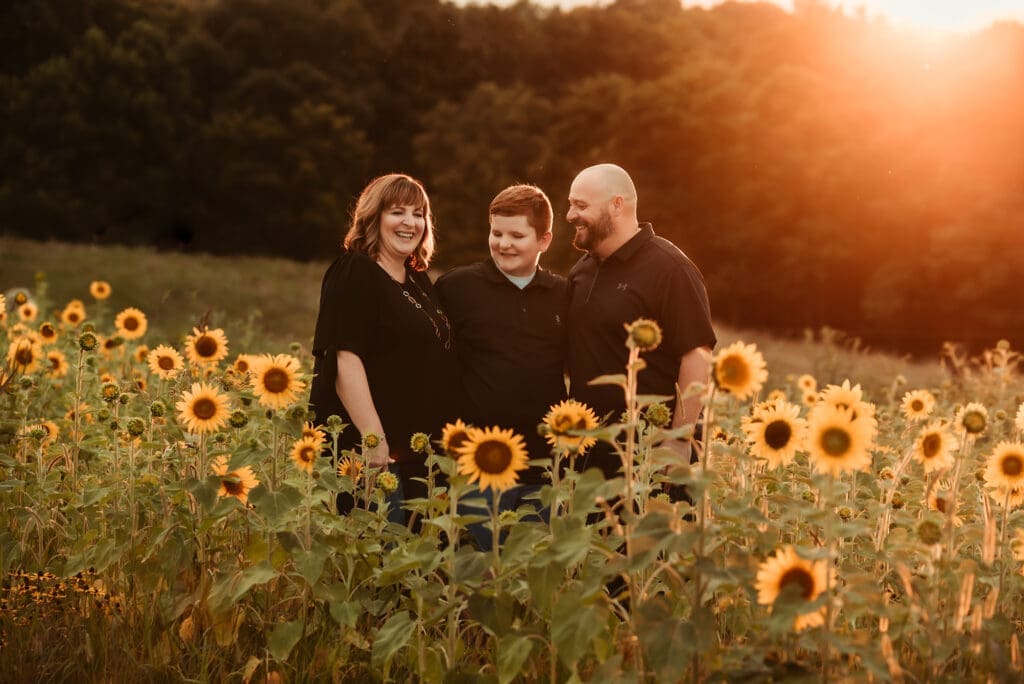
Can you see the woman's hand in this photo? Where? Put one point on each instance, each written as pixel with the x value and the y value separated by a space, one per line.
pixel 380 455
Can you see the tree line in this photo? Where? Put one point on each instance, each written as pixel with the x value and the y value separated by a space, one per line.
pixel 820 167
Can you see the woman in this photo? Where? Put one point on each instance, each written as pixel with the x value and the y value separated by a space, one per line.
pixel 383 347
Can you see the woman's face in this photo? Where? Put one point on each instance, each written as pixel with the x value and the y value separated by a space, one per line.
pixel 401 230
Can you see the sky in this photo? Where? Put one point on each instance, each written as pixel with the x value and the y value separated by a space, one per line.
pixel 940 15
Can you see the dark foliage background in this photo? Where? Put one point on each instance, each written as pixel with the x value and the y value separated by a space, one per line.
pixel 821 168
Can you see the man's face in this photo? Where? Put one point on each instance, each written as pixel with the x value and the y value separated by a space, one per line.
pixel 514 244
pixel 588 214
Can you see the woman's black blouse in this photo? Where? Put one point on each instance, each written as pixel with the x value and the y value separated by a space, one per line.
pixel 406 350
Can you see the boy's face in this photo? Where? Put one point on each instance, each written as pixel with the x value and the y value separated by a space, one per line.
pixel 514 244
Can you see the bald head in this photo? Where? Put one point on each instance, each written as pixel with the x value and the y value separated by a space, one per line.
pixel 611 179
pixel 602 208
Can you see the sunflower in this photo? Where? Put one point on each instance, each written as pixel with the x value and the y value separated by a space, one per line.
pixel 845 396
pixel 644 334
pixel 810 399
pixel 313 432
pixel 206 347
pixel 73 313
pixel 131 323
pixel 203 409
pixel 1004 473
pixel 1017 546
pixel 304 453
pixel 237 483
pixel 99 289
pixel 807 383
pixel 940 499
pixel 82 410
pixel 917 405
pixel 58 364
pixel 739 369
pixel 165 361
pixel 47 334
pixel 776 395
pixel 972 419
pixel 491 457
pixel 566 418
pixel 275 380
pixel 24 355
pixel 837 442
pixel 808 578
pixel 28 312
pixel 141 353
pixel 350 467
pixel 775 433
pixel 112 347
pixel 934 447
pixel 454 436
pixel 242 364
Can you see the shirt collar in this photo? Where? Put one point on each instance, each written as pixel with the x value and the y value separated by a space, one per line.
pixel 627 250
pixel 541 278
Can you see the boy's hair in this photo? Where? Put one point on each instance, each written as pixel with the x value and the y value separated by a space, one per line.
pixel 524 200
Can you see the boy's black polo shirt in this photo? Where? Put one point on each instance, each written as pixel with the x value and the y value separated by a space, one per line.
pixel 648 277
pixel 511 347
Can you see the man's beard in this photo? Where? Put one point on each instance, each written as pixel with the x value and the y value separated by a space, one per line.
pixel 594 233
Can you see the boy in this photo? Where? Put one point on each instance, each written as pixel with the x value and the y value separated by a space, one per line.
pixel 508 319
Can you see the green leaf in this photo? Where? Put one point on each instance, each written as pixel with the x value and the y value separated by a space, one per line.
pixel 390 639
pixel 345 613
pixel 283 639
pixel 493 613
pixel 249 578
pixel 513 650
pixel 274 506
pixel 668 640
pixel 574 625
pixel 614 379
pixel 310 564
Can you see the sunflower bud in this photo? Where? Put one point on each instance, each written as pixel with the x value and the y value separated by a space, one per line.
pixel 419 443
pixel 238 419
pixel 114 425
pixel 298 413
pixel 387 482
pixel 220 438
pixel 295 347
pixel 110 392
pixel 658 414
pixel 124 399
pixel 644 334
pixel 25 382
pixel 334 423
pixel 157 409
pixel 845 513
pixel 37 432
pixel 136 426
pixel 103 415
pixel 371 441
pixel 87 341
pixel 929 532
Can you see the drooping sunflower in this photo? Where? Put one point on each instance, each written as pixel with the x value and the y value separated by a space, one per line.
pixel 1004 473
pixel 454 436
pixel 131 323
pixel 99 289
pixel 203 409
pixel 934 447
pixel 57 364
pixel 787 569
pixel 492 457
pixel 24 355
pixel 565 418
pixel 740 370
pixel 971 420
pixel 350 467
pixel 837 442
pixel 47 334
pixel 275 380
pixel 917 405
pixel 304 453
pixel 206 347
pixel 27 312
pixel 237 483
pixel 775 433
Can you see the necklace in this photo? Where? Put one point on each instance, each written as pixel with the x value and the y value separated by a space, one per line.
pixel 446 340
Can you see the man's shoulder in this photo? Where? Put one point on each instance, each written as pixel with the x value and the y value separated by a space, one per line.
pixel 662 251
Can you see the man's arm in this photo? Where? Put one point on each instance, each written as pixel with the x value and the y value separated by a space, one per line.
pixel 695 366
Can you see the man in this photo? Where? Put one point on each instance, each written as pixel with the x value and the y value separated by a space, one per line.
pixel 628 273
pixel 508 320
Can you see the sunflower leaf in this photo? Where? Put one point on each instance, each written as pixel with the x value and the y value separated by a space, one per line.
pixel 283 638
pixel 513 650
pixel 391 638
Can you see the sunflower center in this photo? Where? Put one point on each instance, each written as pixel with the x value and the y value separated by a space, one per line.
pixel 777 434
pixel 940 504
pixel 800 578
pixel 206 346
pixel 233 486
pixel 166 363
pixel 275 380
pixel 561 423
pixel 493 457
pixel 836 442
pixel 73 316
pixel 131 323
pixel 917 405
pixel 54 362
pixel 204 408
pixel 23 356
pixel 1013 465
pixel 242 366
pixel 306 454
pixel 930 445
pixel 974 422
pixel 733 371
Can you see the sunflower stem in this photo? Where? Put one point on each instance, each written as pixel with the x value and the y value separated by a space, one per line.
pixel 495 532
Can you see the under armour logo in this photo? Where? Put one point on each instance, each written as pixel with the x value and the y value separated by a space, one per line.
pixel 558 320
pixel 622 286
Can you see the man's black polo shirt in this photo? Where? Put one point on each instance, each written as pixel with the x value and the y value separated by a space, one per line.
pixel 511 347
pixel 648 277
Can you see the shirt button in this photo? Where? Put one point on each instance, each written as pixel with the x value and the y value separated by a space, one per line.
pixel 524 309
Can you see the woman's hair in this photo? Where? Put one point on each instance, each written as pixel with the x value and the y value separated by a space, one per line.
pixel 524 200
pixel 382 193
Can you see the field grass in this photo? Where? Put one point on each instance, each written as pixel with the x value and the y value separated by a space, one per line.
pixel 265 304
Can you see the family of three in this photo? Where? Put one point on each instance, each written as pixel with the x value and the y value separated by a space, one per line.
pixel 493 342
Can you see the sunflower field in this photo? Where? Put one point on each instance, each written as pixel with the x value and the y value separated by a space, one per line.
pixel 169 512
